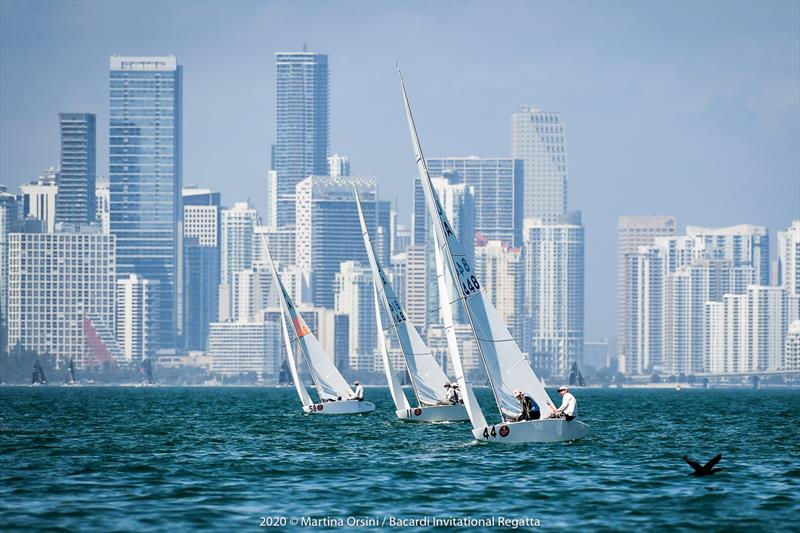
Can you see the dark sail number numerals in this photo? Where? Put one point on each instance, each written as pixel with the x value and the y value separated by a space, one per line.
pixel 397 311
pixel 470 286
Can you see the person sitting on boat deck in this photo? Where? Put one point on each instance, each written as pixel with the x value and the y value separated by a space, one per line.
pixel 359 393
pixel 569 405
pixel 529 408
pixel 452 396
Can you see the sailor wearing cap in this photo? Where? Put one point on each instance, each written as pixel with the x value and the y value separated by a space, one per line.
pixel 569 405
pixel 359 393
pixel 528 407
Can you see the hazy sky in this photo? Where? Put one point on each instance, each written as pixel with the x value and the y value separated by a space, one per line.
pixel 688 109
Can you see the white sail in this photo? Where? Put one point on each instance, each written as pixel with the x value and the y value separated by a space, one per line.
pixel 328 381
pixel 470 402
pixel 427 377
pixel 507 367
pixel 399 397
pixel 305 399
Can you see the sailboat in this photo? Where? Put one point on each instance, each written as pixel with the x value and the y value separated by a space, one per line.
pixel 507 368
pixel 333 390
pixel 427 377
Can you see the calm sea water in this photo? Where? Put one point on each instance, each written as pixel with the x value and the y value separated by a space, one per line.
pixel 176 458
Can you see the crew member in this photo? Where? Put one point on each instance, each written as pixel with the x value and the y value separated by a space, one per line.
pixel 569 405
pixel 528 407
pixel 359 393
pixel 452 395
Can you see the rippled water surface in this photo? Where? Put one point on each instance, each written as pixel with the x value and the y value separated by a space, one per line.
pixel 163 458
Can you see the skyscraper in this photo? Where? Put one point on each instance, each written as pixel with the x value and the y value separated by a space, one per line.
pixel 201 264
pixel 136 325
pixel 61 295
pixel 789 258
pixel 539 139
pixel 744 244
pixel 554 266
pixel 499 268
pixel 301 142
pixel 75 202
pixel 145 176
pixel 328 231
pixel 238 224
pixel 338 165
pixel 498 192
pixel 634 232
pixel 355 297
pixel 9 220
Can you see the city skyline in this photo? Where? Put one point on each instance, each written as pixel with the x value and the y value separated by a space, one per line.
pixel 730 130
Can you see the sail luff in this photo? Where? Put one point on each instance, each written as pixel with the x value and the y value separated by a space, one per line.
pixel 400 400
pixel 305 399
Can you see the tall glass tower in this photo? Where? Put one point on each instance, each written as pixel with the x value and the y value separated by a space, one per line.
pixel 75 200
pixel 301 142
pixel 145 176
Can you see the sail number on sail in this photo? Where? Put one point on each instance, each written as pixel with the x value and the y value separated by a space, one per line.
pixel 397 311
pixel 469 283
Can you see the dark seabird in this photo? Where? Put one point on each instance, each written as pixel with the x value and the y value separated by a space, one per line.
pixel 706 469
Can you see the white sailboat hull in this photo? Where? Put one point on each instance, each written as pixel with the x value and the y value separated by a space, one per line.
pixel 434 413
pixel 342 407
pixel 547 430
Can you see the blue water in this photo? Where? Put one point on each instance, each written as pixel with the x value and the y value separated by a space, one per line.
pixel 220 458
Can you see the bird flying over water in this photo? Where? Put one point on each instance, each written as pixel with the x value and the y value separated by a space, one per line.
pixel 707 468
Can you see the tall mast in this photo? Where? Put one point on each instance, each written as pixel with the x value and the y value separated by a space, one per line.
pixel 435 207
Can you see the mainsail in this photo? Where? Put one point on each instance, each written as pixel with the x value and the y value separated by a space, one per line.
pixel 400 400
pixel 427 377
pixel 305 399
pixel 328 381
pixel 507 367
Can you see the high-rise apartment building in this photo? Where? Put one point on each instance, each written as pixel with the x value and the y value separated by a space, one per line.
pixel 39 199
pixel 302 120
pixel 61 295
pixel 9 221
pixel 497 183
pixel 136 324
pixel 75 202
pixel 633 232
pixel 355 297
pixel 281 242
pixel 499 268
pixel 102 197
pixel 246 348
pixel 744 244
pixel 538 138
pixel 145 176
pixel 416 289
pixel 789 258
pixel 328 231
pixel 554 274
pixel 238 224
pixel 338 166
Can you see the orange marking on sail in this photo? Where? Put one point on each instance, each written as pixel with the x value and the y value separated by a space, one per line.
pixel 300 327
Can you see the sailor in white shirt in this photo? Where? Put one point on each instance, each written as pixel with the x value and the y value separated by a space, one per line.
pixel 359 393
pixel 569 405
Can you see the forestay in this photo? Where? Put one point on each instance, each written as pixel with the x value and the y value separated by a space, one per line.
pixel 507 368
pixel 427 377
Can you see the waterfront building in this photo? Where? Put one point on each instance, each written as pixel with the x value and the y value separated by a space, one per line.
pixel 145 149
pixel 498 266
pixel 538 138
pixel 102 204
pixel 789 258
pixel 744 244
pixel 136 326
pixel 328 231
pixel 497 183
pixel 302 127
pixel 75 202
pixel 237 348
pixel 634 232
pixel 554 297
pixel 61 295
pixel 355 297
pixel 201 264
